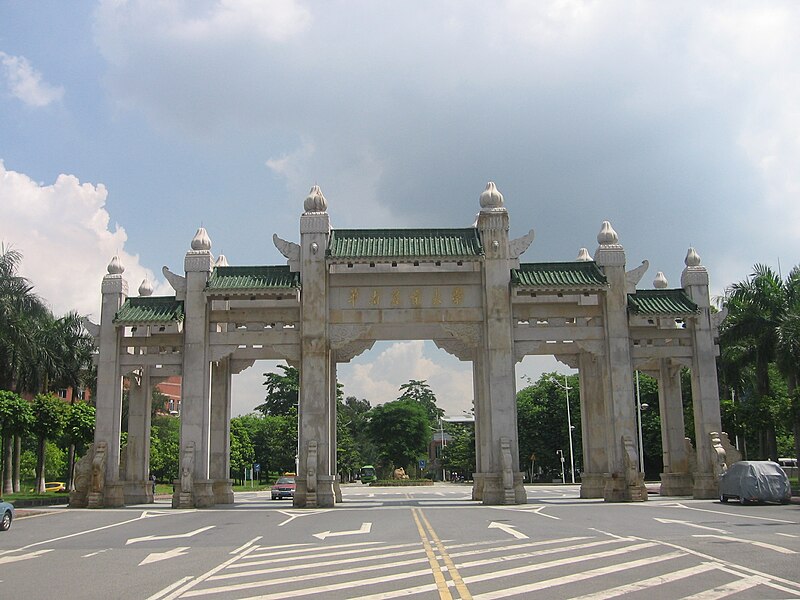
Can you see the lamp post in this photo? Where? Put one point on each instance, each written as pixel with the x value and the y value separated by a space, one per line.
pixel 639 407
pixel 566 389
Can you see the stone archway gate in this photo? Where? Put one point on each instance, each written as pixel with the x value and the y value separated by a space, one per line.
pixel 466 290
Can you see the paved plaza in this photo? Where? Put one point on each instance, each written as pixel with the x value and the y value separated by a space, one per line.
pixel 431 542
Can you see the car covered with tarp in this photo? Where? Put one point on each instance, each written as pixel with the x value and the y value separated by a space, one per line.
pixel 752 481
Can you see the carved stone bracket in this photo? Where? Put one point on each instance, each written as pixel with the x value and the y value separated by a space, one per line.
pixel 289 353
pixel 457 348
pixel 290 250
pixel 467 333
pixel 239 365
pixel 342 335
pixel 571 360
pixel 220 351
pixel 523 349
pixel 518 246
pixel 718 317
pixel 92 328
pixel 634 276
pixel 349 351
pixel 178 282
pixel 595 347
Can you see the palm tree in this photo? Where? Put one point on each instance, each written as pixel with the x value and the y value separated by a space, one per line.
pixel 757 309
pixel 789 350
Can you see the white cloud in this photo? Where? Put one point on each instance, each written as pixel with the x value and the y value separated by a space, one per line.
pixel 63 233
pixel 26 84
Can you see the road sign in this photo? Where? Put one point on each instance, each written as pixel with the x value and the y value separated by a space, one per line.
pixel 422 464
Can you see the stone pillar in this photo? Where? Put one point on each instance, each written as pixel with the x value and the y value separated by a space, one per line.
pixel 195 488
pixel 220 463
pixel 337 488
pixel 676 479
pixel 483 424
pixel 624 481
pixel 594 429
pixel 502 478
pixel 138 487
pixel 315 472
pixel 705 389
pixel 109 387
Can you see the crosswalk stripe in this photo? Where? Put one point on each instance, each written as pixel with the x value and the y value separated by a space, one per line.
pixel 322 553
pixel 728 589
pixel 309 548
pixel 570 560
pixel 648 583
pixel 499 559
pixel 516 546
pixel 328 563
pixel 573 577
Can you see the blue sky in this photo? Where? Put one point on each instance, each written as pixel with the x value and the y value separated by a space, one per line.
pixel 125 125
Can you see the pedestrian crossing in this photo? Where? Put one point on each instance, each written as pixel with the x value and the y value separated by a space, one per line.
pixel 586 567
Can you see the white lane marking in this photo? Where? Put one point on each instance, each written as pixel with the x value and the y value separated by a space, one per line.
pixel 690 524
pixel 732 514
pixel 304 565
pixel 245 545
pixel 96 553
pixel 532 509
pixel 509 529
pixel 728 589
pixel 294 514
pixel 169 588
pixel 537 553
pixel 570 578
pixel 306 554
pixel 365 528
pixel 149 538
pixel 644 584
pixel 729 538
pixel 790 535
pixel 157 556
pixel 65 537
pixel 28 556
pixel 512 546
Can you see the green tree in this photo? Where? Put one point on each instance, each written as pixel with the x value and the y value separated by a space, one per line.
pixel 401 431
pixel 419 391
pixel 48 420
pixel 459 453
pixel 283 392
pixel 15 420
pixel 164 447
pixel 243 452
pixel 79 425
pixel 355 448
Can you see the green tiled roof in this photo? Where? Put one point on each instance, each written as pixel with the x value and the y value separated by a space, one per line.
pixel 661 303
pixel 404 243
pixel 578 274
pixel 252 278
pixel 150 309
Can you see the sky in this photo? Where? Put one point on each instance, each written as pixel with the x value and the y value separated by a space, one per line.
pixel 127 124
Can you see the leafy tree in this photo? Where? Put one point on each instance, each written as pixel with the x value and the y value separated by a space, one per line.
pixel 419 391
pixel 401 431
pixel 542 424
pixel 164 447
pixel 79 426
pixel 355 448
pixel 15 420
pixel 283 392
pixel 459 453
pixel 274 439
pixel 243 452
pixel 48 420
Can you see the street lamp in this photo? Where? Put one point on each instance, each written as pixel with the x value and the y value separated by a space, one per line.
pixel 566 388
pixel 560 453
pixel 639 408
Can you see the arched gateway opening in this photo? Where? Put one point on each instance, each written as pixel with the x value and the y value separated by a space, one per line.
pixel 344 289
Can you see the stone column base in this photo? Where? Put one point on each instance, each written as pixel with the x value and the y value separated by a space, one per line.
pixel 113 496
pixel 78 499
pixel 337 490
pixel 706 486
pixel 138 492
pixel 616 489
pixel 201 496
pixel 477 486
pixel 95 500
pixel 592 485
pixel 322 497
pixel 182 500
pixel 223 491
pixel 676 484
pixel 493 493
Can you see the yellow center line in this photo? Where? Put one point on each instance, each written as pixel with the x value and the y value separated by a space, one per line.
pixel 451 567
pixel 438 577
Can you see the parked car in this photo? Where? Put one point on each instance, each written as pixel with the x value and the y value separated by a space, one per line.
pixel 752 481
pixel 6 515
pixel 283 488
pixel 55 486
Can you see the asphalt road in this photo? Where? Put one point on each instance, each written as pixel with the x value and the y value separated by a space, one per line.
pixel 431 542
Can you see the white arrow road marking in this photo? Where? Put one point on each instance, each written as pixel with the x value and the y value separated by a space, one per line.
pixel 299 513
pixel 690 524
pixel 95 553
pixel 365 528
pixel 157 556
pixel 728 538
pixel 149 538
pixel 34 554
pixel 508 529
